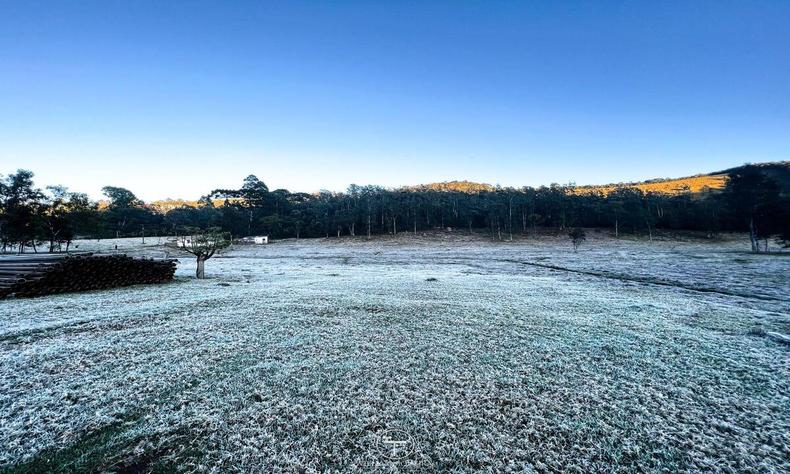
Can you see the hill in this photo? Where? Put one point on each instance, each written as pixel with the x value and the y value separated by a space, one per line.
pixel 452 186
pixel 780 171
pixel 163 206
pixel 672 186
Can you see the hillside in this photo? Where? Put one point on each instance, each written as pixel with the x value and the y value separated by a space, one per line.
pixel 452 186
pixel 166 205
pixel 780 171
pixel 673 186
pixel 689 184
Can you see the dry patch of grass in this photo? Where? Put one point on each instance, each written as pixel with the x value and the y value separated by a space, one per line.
pixel 692 184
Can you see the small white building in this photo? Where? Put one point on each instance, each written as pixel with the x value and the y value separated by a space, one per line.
pixel 254 240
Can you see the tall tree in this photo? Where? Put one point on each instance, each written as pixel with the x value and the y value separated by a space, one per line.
pixel 64 213
pixel 753 200
pixel 21 205
pixel 121 197
pixel 125 214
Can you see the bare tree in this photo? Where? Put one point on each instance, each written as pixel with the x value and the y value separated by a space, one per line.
pixel 203 244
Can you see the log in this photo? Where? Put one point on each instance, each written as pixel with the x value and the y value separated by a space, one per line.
pixel 43 268
pixel 60 273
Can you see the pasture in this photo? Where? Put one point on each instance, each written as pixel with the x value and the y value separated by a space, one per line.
pixel 507 356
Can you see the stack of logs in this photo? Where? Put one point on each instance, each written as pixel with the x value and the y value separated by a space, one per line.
pixel 43 274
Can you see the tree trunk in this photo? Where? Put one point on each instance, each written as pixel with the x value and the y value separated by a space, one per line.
pixel 510 220
pixel 753 237
pixel 201 268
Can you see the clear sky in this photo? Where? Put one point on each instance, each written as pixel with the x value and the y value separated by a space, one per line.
pixel 175 98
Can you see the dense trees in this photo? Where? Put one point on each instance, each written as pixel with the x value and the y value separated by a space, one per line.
pixel 753 202
pixel 64 214
pixel 125 214
pixel 21 206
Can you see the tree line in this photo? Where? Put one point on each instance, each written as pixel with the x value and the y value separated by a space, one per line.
pixel 33 219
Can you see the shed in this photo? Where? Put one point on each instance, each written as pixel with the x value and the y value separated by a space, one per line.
pixel 254 240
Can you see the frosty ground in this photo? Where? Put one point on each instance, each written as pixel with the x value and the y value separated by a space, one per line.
pixel 504 356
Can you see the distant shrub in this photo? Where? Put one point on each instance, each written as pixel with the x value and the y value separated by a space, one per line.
pixel 756 331
pixel 577 236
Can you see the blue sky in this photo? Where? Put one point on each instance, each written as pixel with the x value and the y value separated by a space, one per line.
pixel 175 98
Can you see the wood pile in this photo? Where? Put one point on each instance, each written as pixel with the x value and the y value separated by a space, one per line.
pixel 43 274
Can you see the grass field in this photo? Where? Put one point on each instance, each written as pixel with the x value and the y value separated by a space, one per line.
pixel 306 356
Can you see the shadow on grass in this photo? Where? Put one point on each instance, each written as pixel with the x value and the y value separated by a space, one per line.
pixel 106 450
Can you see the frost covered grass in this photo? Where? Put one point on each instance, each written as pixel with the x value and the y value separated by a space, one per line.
pixel 299 356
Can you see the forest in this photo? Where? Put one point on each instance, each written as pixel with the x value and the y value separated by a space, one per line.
pixel 49 219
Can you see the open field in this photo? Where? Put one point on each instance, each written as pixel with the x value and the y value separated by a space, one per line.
pixel 303 356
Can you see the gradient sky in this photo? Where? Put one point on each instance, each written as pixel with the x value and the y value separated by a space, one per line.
pixel 175 98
